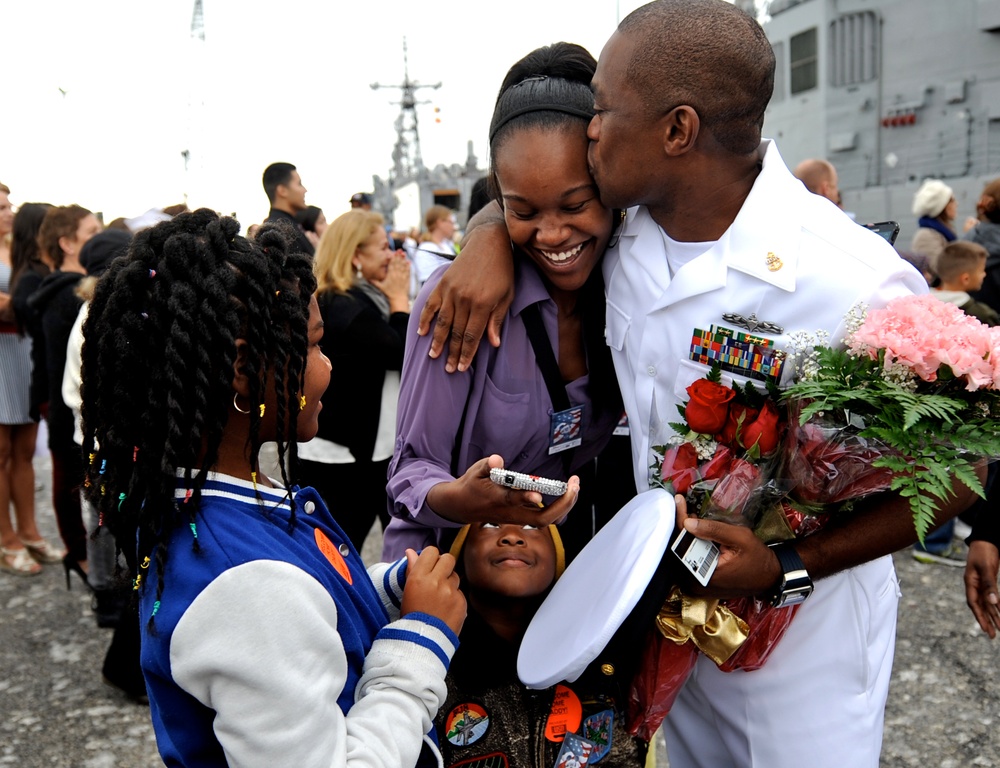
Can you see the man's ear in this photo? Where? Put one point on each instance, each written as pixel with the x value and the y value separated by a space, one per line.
pixel 241 382
pixel 681 127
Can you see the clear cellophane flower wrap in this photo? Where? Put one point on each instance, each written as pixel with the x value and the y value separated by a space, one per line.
pixel 827 463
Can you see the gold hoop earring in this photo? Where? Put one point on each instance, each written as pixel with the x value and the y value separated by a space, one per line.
pixel 237 405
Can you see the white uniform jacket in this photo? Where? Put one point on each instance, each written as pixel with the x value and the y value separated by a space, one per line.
pixel 794 260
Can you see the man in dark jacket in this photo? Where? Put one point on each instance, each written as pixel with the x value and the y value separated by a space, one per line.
pixel 284 190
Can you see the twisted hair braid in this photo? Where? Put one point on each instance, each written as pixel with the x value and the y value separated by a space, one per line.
pixel 160 345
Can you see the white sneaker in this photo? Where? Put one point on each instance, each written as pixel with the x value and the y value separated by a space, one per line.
pixel 961 530
pixel 954 554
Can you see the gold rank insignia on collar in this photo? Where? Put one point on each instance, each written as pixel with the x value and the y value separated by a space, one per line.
pixel 773 261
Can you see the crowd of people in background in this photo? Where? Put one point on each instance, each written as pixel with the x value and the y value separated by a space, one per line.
pixel 305 333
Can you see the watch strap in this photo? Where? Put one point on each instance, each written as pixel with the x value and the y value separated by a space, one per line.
pixel 795 585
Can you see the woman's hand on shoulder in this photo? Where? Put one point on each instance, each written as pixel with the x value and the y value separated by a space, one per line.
pixel 475 498
pixel 473 295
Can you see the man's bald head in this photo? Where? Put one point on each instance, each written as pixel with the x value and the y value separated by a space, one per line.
pixel 820 178
pixel 709 55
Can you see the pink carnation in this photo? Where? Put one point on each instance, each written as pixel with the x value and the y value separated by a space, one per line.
pixel 923 333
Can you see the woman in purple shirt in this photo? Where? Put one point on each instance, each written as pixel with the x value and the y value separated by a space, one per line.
pixel 552 376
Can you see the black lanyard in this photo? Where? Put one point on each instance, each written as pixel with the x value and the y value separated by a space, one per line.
pixel 549 367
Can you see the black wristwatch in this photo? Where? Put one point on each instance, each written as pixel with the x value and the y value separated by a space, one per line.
pixel 795 585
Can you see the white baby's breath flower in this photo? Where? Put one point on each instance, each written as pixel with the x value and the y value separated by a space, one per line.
pixel 801 350
pixel 705 448
pixel 901 375
pixel 855 317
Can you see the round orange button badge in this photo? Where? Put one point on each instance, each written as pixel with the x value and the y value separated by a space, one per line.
pixel 331 553
pixel 565 715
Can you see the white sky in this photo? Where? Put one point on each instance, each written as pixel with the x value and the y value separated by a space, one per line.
pixel 283 80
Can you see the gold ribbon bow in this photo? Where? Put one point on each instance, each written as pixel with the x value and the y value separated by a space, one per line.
pixel 714 629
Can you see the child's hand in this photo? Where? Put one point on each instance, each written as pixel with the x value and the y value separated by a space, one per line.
pixel 432 588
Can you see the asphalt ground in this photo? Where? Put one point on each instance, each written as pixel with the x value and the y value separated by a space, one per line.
pixel 943 710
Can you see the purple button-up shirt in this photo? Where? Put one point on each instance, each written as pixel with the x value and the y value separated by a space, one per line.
pixel 507 411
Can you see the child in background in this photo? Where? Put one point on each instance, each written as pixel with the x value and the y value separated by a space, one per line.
pixel 264 641
pixel 507 571
pixel 961 266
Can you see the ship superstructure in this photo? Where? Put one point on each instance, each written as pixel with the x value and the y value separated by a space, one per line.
pixel 891 92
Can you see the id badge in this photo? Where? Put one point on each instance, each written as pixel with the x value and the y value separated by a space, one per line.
pixel 565 431
pixel 698 555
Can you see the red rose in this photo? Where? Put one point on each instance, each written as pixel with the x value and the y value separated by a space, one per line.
pixel 708 407
pixel 762 431
pixel 680 467
pixel 731 494
pixel 718 465
pixel 739 416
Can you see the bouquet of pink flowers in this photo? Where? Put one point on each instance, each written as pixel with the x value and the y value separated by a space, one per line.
pixel 910 403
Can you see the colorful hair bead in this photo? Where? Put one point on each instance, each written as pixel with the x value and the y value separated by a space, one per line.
pixel 262 408
pixel 152 274
pixel 121 500
pixel 156 608
pixel 194 529
pixel 302 402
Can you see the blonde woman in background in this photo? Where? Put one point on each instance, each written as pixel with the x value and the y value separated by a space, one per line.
pixel 363 294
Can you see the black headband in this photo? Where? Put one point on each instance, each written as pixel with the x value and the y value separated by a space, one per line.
pixel 548 106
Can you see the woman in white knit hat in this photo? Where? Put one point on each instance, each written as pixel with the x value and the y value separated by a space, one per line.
pixel 935 206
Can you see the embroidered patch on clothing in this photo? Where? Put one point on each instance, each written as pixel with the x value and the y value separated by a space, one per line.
pixel 331 553
pixel 736 352
pixel 565 715
pixel 564 432
pixel 575 752
pixel 598 728
pixel 466 724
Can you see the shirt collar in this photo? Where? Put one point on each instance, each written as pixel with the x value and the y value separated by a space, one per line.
pixel 529 286
pixel 763 239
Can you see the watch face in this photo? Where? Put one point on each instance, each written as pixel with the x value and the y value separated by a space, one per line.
pixel 792 595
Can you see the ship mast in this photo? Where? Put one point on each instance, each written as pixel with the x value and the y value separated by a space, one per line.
pixel 407 163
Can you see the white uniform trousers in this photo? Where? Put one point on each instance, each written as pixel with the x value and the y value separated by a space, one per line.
pixel 818 702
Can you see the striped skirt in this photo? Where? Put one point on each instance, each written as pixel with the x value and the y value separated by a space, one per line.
pixel 15 378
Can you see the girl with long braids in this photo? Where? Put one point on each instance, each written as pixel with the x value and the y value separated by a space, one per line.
pixel 264 642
